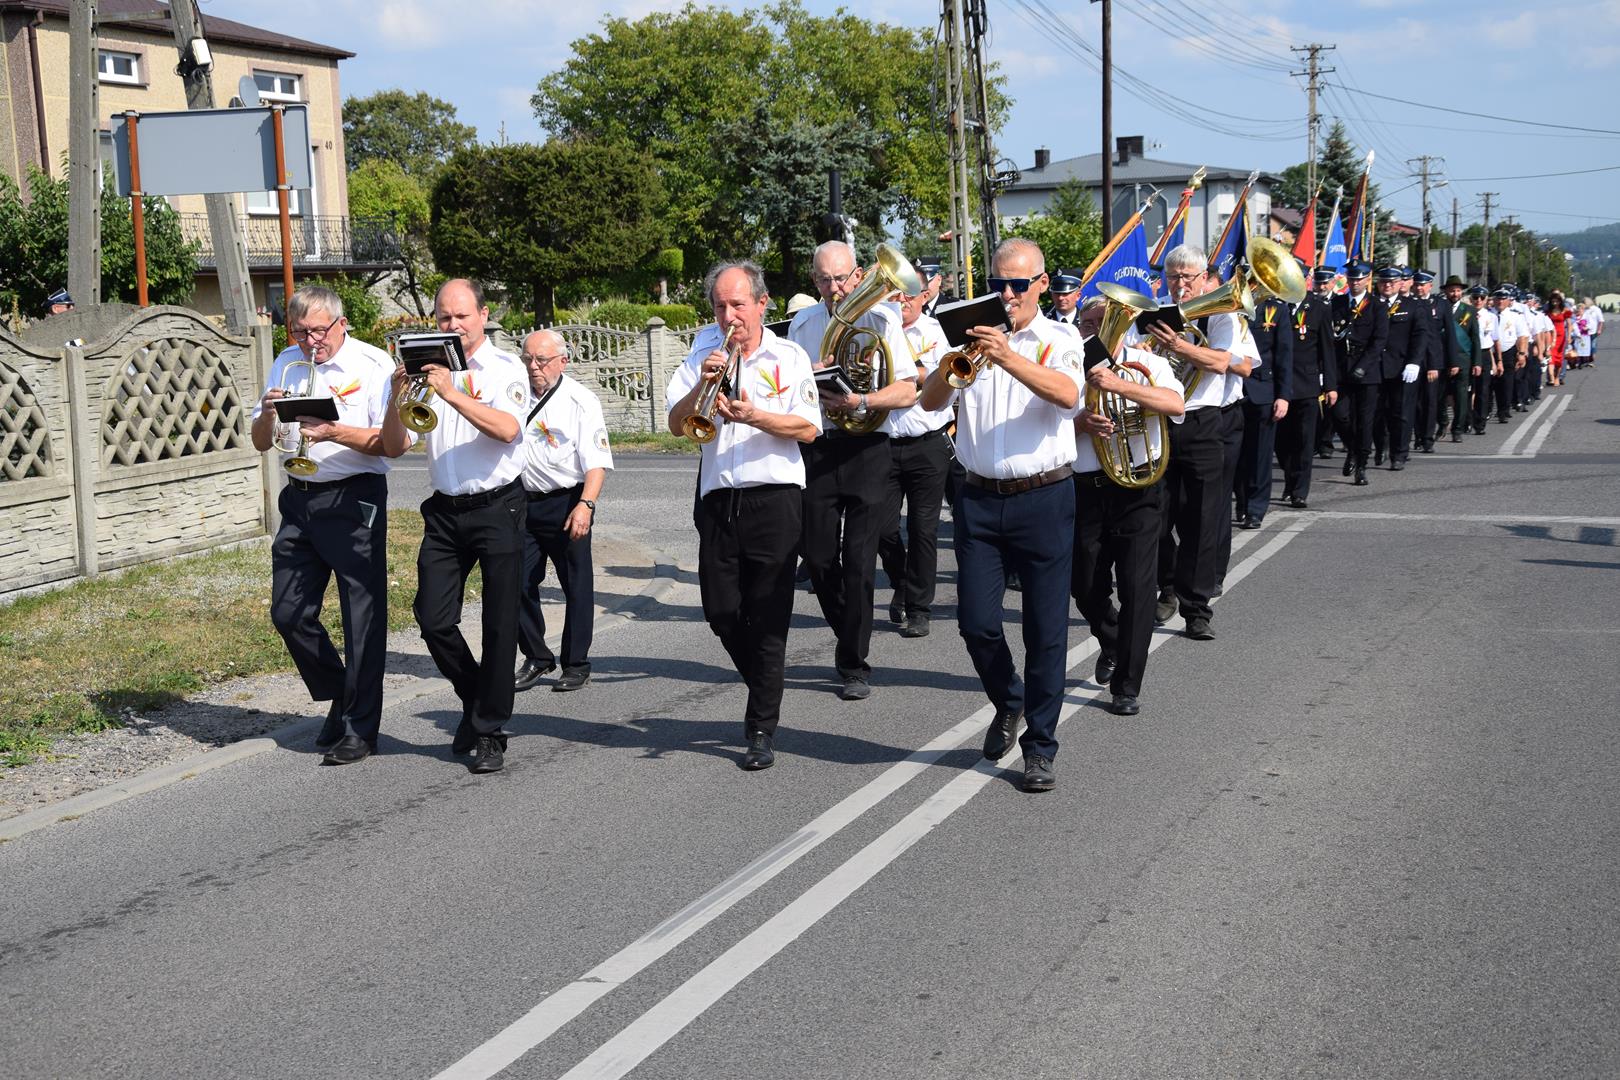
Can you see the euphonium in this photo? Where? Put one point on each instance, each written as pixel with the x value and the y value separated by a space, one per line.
pixel 300 464
pixel 868 367
pixel 1130 456
pixel 700 427
pixel 1234 296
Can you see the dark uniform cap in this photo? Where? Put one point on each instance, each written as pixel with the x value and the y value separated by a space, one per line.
pixel 1406 273
pixel 1389 273
pixel 60 296
pixel 1065 283
pixel 1324 275
pixel 1478 290
pixel 1357 270
pixel 1502 294
pixel 1422 277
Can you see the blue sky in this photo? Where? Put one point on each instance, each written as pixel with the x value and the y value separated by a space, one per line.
pixel 1225 59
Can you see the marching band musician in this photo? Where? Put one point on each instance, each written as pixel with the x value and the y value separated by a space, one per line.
pixel 1015 438
pixel 920 450
pixel 1116 529
pixel 750 488
pixel 335 522
pixel 1198 488
pixel 847 475
pixel 475 515
pixel 1365 326
pixel 1315 376
pixel 566 460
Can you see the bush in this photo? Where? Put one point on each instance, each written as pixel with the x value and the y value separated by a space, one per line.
pixel 677 316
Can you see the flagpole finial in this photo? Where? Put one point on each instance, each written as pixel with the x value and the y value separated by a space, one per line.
pixel 1370 155
pixel 1254 176
pixel 1197 180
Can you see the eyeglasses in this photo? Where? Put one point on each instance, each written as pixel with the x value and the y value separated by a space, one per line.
pixel 832 279
pixel 317 333
pixel 1183 277
pixel 542 361
pixel 1019 285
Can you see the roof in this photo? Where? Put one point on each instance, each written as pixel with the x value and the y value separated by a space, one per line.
pixel 1288 219
pixel 215 29
pixel 1139 170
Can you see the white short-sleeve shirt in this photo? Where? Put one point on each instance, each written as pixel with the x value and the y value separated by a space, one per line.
pixel 1487 327
pixel 1159 370
pixel 357 377
pixel 810 326
pixel 1003 430
pixel 564 440
pixel 927 344
pixel 463 460
pixel 777 379
pixel 1228 332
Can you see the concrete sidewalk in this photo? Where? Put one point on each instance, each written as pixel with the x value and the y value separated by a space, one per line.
pixel 239 718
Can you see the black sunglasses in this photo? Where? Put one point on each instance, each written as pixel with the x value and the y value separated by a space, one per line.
pixel 1019 285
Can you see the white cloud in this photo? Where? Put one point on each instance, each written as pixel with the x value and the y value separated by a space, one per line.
pixel 407 24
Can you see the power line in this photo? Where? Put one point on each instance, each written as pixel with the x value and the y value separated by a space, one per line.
pixel 1536 176
pixel 1480 116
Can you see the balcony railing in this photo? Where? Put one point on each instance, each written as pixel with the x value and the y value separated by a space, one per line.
pixel 322 240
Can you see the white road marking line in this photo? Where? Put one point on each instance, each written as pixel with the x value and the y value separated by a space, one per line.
pixel 628 1049
pixel 1546 430
pixel 1511 447
pixel 1487 519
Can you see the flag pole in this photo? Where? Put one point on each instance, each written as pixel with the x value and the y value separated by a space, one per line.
pixel 1118 239
pixel 1242 208
pixel 1196 181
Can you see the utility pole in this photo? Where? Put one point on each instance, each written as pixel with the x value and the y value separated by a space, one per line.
pixel 1485 274
pixel 976 25
pixel 1313 120
pixel 956 136
pixel 1423 163
pixel 230 254
pixel 84 151
pixel 1454 217
pixel 1107 118
pixel 1513 248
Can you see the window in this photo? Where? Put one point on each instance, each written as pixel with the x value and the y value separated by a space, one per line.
pixel 274 87
pixel 119 67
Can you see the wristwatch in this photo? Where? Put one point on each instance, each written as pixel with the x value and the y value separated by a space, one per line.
pixel 590 503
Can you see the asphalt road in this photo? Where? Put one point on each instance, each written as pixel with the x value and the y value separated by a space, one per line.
pixel 1370 831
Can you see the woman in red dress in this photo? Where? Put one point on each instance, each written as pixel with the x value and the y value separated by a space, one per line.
pixel 1559 316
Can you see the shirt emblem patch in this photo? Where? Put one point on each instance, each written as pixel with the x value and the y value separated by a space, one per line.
pixel 1069 360
pixel 517 393
pixel 601 439
pixel 807 391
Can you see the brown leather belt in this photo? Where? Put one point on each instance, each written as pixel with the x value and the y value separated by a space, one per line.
pixel 1022 483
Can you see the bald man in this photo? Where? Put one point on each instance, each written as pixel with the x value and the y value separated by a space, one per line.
pixel 474 516
pixel 565 459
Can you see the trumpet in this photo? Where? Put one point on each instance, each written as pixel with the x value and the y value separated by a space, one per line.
pixel 1130 456
pixel 701 426
pixel 300 464
pixel 962 366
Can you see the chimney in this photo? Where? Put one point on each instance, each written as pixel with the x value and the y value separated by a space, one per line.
pixel 1043 157
pixel 1128 145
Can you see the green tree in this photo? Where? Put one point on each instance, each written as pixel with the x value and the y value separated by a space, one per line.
pixel 34 248
pixel 382 190
pixel 1069 233
pixel 536 216
pixel 415 131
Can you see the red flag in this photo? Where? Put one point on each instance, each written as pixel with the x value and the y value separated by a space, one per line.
pixel 1305 246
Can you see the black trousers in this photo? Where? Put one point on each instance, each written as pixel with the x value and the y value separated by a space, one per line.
pixel 1453 410
pixel 1231 455
pixel 1032 534
pixel 1532 376
pixel 1116 534
pixel 1502 389
pixel 1481 386
pixel 1427 412
pixel 1296 445
pixel 917 477
pixel 545 540
pixel 747 542
pixel 458 533
pixel 846 489
pixel 1252 482
pixel 1197 497
pixel 1357 411
pixel 1397 410
pixel 339 528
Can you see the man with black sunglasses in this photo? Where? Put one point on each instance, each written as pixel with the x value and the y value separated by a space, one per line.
pixel 1015 437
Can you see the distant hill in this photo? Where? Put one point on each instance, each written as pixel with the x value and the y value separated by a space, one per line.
pixel 1598 242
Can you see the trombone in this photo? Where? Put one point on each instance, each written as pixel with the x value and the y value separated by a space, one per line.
pixel 1129 455
pixel 300 463
pixel 701 427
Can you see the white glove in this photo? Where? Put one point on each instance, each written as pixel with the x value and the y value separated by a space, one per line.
pixel 1409 373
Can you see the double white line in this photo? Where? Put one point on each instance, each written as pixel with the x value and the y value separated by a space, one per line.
pixel 633 1045
pixel 1510 449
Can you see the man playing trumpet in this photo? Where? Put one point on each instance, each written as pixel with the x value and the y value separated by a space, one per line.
pixel 750 486
pixel 335 521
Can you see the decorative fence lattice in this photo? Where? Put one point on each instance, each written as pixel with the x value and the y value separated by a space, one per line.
pixel 172 399
pixel 25 437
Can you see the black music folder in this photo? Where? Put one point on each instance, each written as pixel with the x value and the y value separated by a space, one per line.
pixel 289 409
pixel 1166 313
pixel 958 318
pixel 833 380
pixel 417 351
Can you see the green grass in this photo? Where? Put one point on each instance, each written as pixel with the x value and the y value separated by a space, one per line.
pixel 653 442
pixel 78 657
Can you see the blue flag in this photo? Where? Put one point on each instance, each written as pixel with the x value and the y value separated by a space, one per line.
pixel 1233 244
pixel 1127 266
pixel 1335 253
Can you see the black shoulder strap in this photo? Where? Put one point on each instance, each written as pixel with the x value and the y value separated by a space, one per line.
pixel 543 399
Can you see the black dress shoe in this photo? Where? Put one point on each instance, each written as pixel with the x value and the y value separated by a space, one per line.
pixel 855 688
pixel 1199 629
pixel 1361 476
pixel 532 671
pixel 466 736
pixel 1014 582
pixel 1124 705
pixel 1480 430
pixel 1297 503
pixel 1165 609
pixel 334 727
pixel 1378 457
pixel 1456 436
pixel 1252 523
pixel 489 755
pixel 571 679
pixel 760 755
pixel 349 749
pixel 897 612
pixel 916 626
pixel 1242 521
pixel 1349 465
pixel 1003 731
pixel 1106 664
pixel 1396 465
pixel 1426 448
pixel 1038 773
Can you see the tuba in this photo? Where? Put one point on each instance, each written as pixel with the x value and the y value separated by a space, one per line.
pixel 868 367
pixel 300 464
pixel 700 427
pixel 1128 455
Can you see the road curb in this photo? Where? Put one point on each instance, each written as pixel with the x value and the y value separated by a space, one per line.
pixel 665 577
